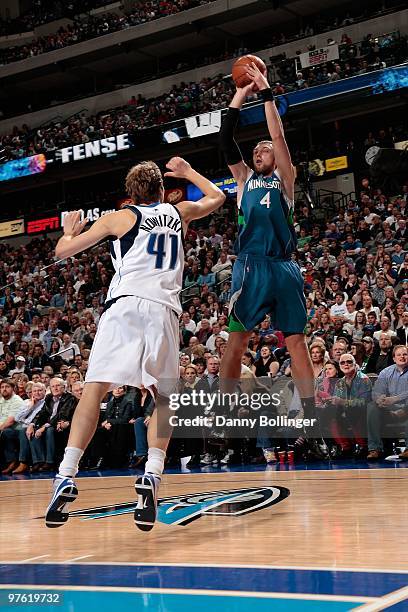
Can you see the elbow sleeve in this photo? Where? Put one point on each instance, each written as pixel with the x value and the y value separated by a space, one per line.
pixel 228 146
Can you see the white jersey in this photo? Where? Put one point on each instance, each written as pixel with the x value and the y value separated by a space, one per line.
pixel 149 259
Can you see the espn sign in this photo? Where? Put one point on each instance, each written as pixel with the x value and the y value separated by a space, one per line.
pixel 39 226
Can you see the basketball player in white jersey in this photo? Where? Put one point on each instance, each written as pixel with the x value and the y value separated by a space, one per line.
pixel 137 342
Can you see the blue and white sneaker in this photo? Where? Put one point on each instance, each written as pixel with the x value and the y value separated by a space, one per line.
pixel 65 492
pixel 146 487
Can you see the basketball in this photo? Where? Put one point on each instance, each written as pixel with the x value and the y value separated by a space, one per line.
pixel 239 74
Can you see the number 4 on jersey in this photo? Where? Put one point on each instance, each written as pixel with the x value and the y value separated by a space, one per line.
pixel 160 250
pixel 266 200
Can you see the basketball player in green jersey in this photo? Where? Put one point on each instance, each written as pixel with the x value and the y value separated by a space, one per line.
pixel 265 279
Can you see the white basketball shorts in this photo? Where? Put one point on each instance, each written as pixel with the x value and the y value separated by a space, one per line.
pixel 137 343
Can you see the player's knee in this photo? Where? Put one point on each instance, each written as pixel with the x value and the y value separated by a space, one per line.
pixel 238 342
pixel 295 342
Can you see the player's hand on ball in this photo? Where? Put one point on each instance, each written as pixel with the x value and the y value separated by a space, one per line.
pixel 257 76
pixel 179 167
pixel 73 225
pixel 247 90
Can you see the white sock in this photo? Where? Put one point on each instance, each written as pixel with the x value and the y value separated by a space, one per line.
pixel 69 464
pixel 155 462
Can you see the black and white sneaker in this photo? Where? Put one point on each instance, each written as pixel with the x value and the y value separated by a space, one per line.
pixel 65 492
pixel 318 448
pixel 146 487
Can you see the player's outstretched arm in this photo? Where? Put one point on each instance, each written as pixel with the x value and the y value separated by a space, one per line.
pixel 228 145
pixel 213 197
pixel 73 241
pixel 275 127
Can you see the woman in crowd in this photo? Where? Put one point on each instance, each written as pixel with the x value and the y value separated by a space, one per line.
pixel 324 393
pixel 190 378
pixel 317 355
pixel 193 312
pixel 325 323
pixel 74 375
pixel 192 275
pixel 343 274
pixel 248 359
pixel 358 352
pixel 389 272
pixel 379 257
pixel 397 316
pixel 266 365
pixel 56 361
pixel 389 307
pixel 359 323
pixel 370 276
pixel 219 341
pixel 318 298
pixel 316 286
pixel 310 308
pixel 206 278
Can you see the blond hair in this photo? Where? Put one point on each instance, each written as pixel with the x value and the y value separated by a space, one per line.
pixel 264 142
pixel 144 183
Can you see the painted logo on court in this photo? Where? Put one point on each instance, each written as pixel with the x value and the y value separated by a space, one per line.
pixel 183 509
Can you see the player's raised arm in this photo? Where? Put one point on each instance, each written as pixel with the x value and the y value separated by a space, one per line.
pixel 275 127
pixel 73 241
pixel 213 197
pixel 228 145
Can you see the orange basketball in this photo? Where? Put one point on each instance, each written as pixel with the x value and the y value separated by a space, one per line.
pixel 239 75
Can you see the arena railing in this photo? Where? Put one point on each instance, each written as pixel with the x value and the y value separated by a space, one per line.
pixel 196 290
pixel 335 199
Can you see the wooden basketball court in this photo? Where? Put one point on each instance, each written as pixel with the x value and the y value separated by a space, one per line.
pixel 341 534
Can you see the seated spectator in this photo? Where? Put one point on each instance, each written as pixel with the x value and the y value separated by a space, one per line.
pixel 50 428
pixel 381 356
pixel 267 364
pixel 206 278
pixel 142 412
pixel 10 405
pixel 225 294
pixel 339 308
pixel 351 396
pixel 70 349
pixel 216 331
pixel 19 443
pixel 372 325
pixel 77 388
pixel 390 403
pixel 402 332
pixel 339 348
pixel 317 355
pixel 203 331
pixel 367 306
pixel 39 360
pixel 385 329
pixel 20 366
pixel 113 438
pixel 358 352
pixel 248 359
pixel 73 376
pixel 188 323
pixel 360 323
pixel 223 268
pixel 325 386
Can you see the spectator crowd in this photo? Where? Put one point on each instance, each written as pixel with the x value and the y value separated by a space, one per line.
pixel 184 100
pixel 355 269
pixel 93 26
